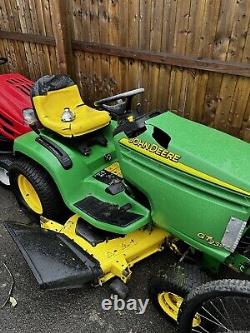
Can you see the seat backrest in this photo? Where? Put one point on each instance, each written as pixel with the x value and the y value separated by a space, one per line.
pixel 51 94
pixel 49 83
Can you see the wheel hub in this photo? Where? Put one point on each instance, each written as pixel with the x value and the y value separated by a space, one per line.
pixel 170 303
pixel 29 194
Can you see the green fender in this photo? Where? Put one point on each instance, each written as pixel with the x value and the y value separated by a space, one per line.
pixel 78 182
pixel 69 182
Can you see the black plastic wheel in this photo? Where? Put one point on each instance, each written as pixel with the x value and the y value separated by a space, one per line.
pixel 30 181
pixel 218 306
pixel 119 288
pixel 169 287
pixel 6 161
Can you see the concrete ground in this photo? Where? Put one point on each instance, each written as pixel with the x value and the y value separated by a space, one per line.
pixel 67 311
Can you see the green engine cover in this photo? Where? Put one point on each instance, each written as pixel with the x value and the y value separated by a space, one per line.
pixel 195 184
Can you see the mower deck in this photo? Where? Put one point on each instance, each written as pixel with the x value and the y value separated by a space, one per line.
pixel 55 261
pixel 73 254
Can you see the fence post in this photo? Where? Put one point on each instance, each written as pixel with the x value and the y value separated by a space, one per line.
pixel 62 28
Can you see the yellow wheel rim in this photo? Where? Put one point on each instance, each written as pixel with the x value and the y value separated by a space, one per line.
pixel 29 194
pixel 170 304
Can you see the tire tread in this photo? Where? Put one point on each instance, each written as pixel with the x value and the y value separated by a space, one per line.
pixel 49 195
pixel 208 291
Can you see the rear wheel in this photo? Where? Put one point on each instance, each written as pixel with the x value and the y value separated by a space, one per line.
pixel 5 164
pixel 169 287
pixel 35 191
pixel 222 306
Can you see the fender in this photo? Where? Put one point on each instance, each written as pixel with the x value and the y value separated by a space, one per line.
pixel 70 181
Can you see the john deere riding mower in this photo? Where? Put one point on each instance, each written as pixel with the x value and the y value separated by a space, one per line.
pixel 113 186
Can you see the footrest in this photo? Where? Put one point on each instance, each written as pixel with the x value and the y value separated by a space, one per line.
pixel 106 212
pixel 93 235
pixel 55 261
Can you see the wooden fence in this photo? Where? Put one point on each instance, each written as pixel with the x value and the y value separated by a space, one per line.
pixel 192 56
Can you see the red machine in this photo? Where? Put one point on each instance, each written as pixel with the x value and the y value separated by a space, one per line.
pixel 14 97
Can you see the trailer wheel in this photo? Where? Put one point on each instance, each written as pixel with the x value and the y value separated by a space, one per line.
pixel 169 287
pixel 6 161
pixel 221 305
pixel 35 191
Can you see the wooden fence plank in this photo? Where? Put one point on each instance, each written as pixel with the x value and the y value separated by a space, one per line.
pixel 164 70
pixel 95 37
pixel 178 47
pixel 185 78
pixel 239 104
pixel 193 82
pixel 207 107
pixel 115 77
pixel 123 42
pixel 62 32
pixel 25 37
pixel 224 33
pixel 210 65
pixel 156 27
pixel 133 67
pixel 104 19
pixel 245 128
pixel 144 43
pixel 11 26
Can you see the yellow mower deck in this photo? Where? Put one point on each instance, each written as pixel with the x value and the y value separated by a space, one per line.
pixel 115 256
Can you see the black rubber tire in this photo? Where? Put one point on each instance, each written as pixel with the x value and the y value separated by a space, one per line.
pixel 206 292
pixel 178 279
pixel 51 200
pixel 6 145
pixel 6 161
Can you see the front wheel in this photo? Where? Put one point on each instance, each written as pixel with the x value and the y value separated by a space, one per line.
pixel 220 306
pixel 169 287
pixel 35 190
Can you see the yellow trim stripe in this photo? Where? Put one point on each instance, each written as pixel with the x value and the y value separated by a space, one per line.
pixel 182 167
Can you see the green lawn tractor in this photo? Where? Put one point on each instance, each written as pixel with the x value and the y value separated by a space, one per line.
pixel 113 185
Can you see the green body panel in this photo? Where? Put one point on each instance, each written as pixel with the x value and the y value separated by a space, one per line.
pixel 78 182
pixel 205 149
pixel 181 203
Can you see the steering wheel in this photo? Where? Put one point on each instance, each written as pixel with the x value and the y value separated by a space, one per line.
pixel 3 61
pixel 124 101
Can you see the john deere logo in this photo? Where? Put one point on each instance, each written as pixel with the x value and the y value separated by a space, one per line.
pixel 155 149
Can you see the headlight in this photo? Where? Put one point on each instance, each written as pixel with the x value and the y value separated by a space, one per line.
pixel 29 116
